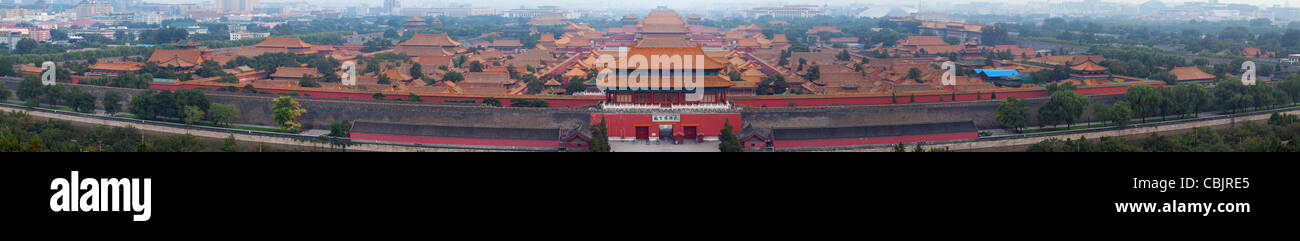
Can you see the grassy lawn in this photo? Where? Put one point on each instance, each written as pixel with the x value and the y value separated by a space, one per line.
pixel 42 106
pixel 129 116
pixel 252 128
pixel 237 127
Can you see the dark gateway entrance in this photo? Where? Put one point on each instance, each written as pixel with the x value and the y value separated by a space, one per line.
pixel 643 133
pixel 689 132
pixel 666 133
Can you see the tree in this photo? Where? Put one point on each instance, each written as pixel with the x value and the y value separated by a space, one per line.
pixel 728 140
pixel 81 101
pixel 1062 108
pixel 1200 99
pixel 529 103
pixel 1291 86
pixel 1143 100
pixel 25 46
pixel 1120 114
pixel 229 79
pixel 192 115
pixel 414 98
pixel 35 145
pixel 914 74
pixel 774 84
pixel 192 97
pixel 53 94
pixel 1014 113
pixel 576 85
pixel 475 66
pixel 4 92
pixel 341 129
pixel 490 101
pixel 308 80
pixel 178 143
pixel 285 112
pixel 417 70
pixel 1102 111
pixel 6 67
pixel 210 68
pixel 599 137
pixel 814 72
pixel 223 114
pixel 230 145
pixel 383 79
pixel 10 142
pixel 1231 95
pixel 453 76
pixel 1056 87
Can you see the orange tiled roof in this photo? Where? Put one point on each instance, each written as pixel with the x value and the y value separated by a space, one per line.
pixel 969 27
pixel 779 38
pixel 487 77
pixel 710 81
pixel 1088 65
pixel 434 61
pixel 665 42
pixel 1190 73
pixel 924 40
pixel 283 43
pixel 177 57
pixel 819 29
pixel 663 21
pixel 395 74
pixel 433 39
pixel 1251 51
pixel 709 63
pixel 506 43
pixel 117 66
pixel 414 22
pixel 549 19
pixel 294 72
pixel 748 43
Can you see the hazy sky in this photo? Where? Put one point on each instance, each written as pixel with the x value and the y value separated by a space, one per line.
pixel 506 4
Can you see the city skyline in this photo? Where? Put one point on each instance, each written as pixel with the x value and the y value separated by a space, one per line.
pixel 686 4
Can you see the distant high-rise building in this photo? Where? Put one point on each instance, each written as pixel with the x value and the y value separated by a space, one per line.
pixel 392 6
pixel 89 9
pixel 122 5
pixel 235 5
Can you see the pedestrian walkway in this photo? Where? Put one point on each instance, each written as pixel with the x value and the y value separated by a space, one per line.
pixel 646 146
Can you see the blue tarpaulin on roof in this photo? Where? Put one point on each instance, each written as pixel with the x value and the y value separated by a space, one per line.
pixel 995 73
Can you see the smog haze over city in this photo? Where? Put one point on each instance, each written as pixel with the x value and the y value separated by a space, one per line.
pixel 651 76
pixel 689 4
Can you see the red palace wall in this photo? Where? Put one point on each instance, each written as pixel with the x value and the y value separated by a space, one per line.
pixel 456 141
pixel 505 101
pixel 707 125
pixel 749 101
pixel 813 100
pixel 778 143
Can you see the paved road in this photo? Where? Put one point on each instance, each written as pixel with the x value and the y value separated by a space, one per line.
pixel 642 146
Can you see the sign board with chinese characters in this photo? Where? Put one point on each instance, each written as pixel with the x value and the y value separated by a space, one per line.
pixel 666 118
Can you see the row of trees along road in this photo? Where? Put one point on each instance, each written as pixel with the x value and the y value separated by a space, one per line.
pixel 1143 101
